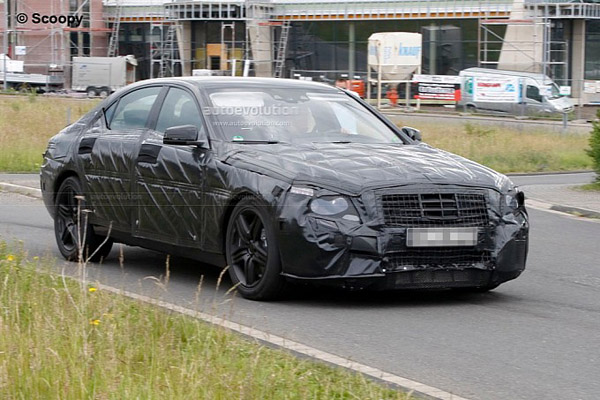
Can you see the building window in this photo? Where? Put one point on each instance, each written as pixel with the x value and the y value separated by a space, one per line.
pixel 592 49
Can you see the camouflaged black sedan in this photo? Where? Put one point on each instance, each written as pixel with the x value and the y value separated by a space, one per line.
pixel 281 181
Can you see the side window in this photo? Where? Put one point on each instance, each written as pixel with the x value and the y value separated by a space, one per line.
pixel 179 108
pixel 133 109
pixel 533 92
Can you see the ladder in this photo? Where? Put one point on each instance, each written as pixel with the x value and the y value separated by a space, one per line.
pixel 281 49
pixel 167 56
pixel 113 44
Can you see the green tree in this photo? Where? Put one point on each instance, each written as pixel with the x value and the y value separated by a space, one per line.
pixel 594 150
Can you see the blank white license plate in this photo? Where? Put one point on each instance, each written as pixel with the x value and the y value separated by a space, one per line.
pixel 436 237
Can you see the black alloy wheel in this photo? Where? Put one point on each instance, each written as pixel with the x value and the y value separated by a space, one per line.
pixel 67 223
pixel 252 252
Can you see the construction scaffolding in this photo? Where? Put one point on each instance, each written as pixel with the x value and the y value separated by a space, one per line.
pixel 269 33
pixel 532 40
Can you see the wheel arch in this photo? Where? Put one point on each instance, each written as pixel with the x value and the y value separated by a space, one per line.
pixel 229 210
pixel 60 179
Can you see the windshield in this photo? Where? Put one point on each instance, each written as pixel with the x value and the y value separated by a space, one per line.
pixel 553 91
pixel 293 115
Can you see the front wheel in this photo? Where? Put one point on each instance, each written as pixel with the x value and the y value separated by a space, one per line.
pixel 252 252
pixel 471 108
pixel 70 228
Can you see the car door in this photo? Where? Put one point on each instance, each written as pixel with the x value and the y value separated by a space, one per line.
pixel 533 97
pixel 107 151
pixel 170 179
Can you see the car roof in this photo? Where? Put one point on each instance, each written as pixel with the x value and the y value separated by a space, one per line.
pixel 229 81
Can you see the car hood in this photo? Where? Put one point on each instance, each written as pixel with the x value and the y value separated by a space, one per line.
pixel 354 167
pixel 561 104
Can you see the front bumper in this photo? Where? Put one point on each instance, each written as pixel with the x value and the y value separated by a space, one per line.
pixel 371 254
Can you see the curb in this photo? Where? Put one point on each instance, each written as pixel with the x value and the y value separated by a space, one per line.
pixel 20 189
pixel 580 212
pixel 580 171
pixel 472 117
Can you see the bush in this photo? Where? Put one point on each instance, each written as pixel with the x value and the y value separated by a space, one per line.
pixel 594 150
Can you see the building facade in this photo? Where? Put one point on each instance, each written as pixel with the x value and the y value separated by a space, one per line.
pixel 321 38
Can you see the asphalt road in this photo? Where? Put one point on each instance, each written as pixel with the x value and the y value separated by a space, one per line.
pixel 537 337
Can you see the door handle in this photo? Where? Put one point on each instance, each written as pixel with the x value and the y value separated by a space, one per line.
pixel 149 153
pixel 86 145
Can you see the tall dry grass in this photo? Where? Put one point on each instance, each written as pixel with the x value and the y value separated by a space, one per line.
pixel 26 124
pixel 60 339
pixel 509 150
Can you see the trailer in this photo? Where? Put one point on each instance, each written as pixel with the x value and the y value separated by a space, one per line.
pixel 100 76
pixel 17 79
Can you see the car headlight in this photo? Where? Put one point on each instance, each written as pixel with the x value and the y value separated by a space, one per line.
pixel 513 200
pixel 329 205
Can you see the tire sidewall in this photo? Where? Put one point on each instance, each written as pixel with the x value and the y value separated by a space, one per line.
pixel 74 183
pixel 91 241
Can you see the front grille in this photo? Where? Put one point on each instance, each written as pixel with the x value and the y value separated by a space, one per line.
pixel 436 258
pixel 434 209
pixel 432 279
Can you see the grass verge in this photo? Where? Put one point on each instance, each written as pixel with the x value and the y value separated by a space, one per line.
pixel 509 150
pixel 26 124
pixel 591 187
pixel 60 339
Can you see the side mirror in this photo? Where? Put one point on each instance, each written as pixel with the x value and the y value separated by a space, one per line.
pixel 412 133
pixel 183 135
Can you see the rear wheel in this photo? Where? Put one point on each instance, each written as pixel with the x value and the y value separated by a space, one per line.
pixel 104 92
pixel 69 225
pixel 91 92
pixel 252 252
pixel 24 88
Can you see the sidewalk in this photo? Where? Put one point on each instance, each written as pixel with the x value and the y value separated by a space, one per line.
pixel 559 197
pixel 566 198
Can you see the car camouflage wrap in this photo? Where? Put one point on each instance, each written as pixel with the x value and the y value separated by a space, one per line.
pixel 356 211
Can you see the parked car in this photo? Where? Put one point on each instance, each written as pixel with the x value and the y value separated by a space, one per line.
pixel 281 180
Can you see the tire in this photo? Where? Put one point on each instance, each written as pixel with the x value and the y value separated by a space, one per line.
pixel 471 108
pixel 66 225
pixel 252 252
pixel 104 92
pixel 91 92
pixel 24 87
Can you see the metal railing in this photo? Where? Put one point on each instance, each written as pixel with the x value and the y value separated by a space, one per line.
pixel 388 9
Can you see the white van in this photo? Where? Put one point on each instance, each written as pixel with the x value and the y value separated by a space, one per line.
pixel 533 93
